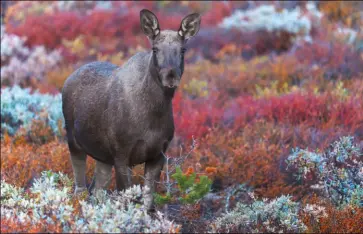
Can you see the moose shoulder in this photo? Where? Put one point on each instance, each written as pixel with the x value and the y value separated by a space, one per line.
pixel 122 116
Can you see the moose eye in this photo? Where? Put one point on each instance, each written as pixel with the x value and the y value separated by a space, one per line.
pixel 183 50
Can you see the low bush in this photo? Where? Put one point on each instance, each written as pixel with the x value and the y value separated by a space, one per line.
pixel 19 64
pixel 281 77
pixel 278 215
pixel 49 202
pixel 336 173
pixel 267 17
pixel 20 107
pixel 336 220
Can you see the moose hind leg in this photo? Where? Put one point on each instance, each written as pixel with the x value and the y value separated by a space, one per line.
pixel 102 176
pixel 123 175
pixel 78 159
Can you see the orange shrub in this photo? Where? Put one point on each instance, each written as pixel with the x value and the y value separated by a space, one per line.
pixel 345 11
pixel 10 225
pixel 40 133
pixel 57 76
pixel 346 220
pixel 21 162
pixel 350 219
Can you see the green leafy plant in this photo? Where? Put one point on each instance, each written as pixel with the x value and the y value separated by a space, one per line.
pixel 190 188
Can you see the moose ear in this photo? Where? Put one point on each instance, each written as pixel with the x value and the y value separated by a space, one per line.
pixel 189 26
pixel 149 24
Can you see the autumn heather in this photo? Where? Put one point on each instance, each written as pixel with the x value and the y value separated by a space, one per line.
pixel 272 93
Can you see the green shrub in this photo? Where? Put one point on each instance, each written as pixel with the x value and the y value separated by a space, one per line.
pixel 189 190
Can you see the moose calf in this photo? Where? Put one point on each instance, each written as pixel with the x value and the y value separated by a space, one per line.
pixel 122 116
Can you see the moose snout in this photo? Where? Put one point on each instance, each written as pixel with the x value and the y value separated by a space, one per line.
pixel 170 77
pixel 169 73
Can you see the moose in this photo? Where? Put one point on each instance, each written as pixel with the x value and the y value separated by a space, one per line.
pixel 123 116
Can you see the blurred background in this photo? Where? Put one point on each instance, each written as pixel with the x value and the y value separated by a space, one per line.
pixel 71 33
pixel 261 78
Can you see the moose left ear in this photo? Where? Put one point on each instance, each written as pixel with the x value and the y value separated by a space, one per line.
pixel 189 26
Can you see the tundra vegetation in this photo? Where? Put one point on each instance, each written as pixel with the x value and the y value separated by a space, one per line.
pixel 268 118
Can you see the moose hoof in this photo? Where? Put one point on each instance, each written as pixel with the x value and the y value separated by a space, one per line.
pixel 80 190
pixel 151 211
pixel 150 207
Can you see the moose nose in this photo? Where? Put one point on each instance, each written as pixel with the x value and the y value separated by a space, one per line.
pixel 169 77
pixel 168 72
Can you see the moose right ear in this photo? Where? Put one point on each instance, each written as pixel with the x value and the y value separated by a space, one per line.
pixel 149 24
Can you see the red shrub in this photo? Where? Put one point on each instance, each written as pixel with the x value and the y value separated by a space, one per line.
pixel 332 56
pixel 318 111
pixel 218 11
pixel 48 30
pixel 194 117
pixel 211 39
pixel 123 23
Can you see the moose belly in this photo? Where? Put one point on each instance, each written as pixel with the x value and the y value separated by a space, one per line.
pixel 92 141
pixel 147 149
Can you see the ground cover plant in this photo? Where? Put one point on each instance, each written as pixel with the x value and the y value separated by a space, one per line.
pixel 268 117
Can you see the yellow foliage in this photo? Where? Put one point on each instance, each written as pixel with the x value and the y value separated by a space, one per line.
pixel 184 3
pixel 117 59
pixel 20 10
pixel 275 90
pixel 341 92
pixel 282 68
pixel 197 88
pixel 345 11
pixel 76 46
pixel 13 12
pixel 165 3
pixel 316 90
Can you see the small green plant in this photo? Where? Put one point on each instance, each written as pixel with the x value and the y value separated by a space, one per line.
pixel 190 188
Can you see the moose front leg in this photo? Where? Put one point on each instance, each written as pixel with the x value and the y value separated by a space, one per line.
pixel 152 175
